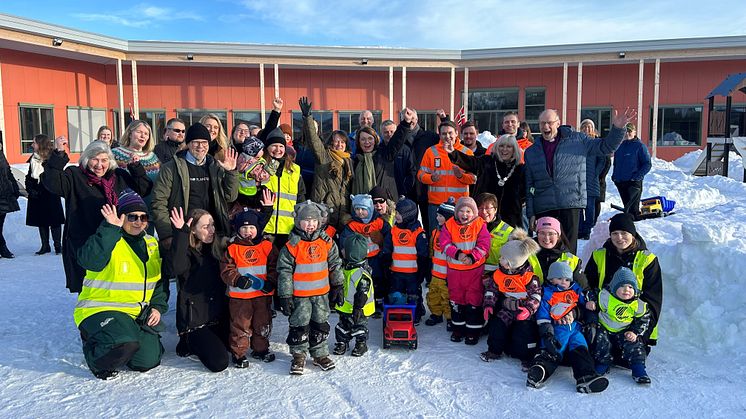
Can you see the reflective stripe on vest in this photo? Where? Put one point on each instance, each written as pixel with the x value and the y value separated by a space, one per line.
pixel 286 189
pixel 568 257
pixel 512 285
pixel 616 315
pixel 250 260
pixel 440 164
pixel 499 236
pixel 126 284
pixel 440 265
pixel 311 273
pixel 404 257
pixel 464 237
pixel 352 279
pixel 366 230
pixel 562 302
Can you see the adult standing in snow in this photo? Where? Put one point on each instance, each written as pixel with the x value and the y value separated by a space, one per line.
pixel 419 142
pixel 404 169
pixel 631 164
pixel 9 193
pixel 595 175
pixel 44 209
pixel 94 181
pixel 556 170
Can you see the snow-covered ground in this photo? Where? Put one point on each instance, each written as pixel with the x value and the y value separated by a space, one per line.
pixel 698 369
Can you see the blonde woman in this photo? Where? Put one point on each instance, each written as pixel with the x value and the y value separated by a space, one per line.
pixel 218 139
pixel 138 139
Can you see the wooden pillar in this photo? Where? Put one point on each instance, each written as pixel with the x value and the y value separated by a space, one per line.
pixel 404 87
pixel 563 118
pixel 466 93
pixel 135 94
pixel 640 76
pixel 453 92
pixel 2 117
pixel 391 93
pixel 262 103
pixel 120 89
pixel 580 95
pixel 654 137
pixel 277 80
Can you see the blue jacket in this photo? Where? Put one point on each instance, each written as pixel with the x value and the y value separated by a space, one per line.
pixel 594 167
pixel 569 336
pixel 567 188
pixel 631 161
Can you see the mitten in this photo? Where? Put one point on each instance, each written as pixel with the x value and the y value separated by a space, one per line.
pixel 286 306
pixel 487 313
pixel 510 304
pixel 244 282
pixel 336 296
pixel 258 283
pixel 523 313
pixel 268 287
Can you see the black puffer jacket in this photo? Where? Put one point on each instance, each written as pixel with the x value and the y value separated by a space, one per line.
pixel 9 191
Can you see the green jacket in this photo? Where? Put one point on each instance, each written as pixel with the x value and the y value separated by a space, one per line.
pixel 286 263
pixel 172 190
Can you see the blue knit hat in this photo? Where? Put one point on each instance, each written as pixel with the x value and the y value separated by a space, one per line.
pixel 447 209
pixel 560 269
pixel 130 201
pixel 407 209
pixel 247 217
pixel 363 201
pixel 623 276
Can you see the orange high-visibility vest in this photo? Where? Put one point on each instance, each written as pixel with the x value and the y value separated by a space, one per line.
pixel 512 285
pixel 465 239
pixel 440 265
pixel 330 231
pixel 365 230
pixel 404 257
pixel 250 260
pixel 436 161
pixel 562 302
pixel 311 274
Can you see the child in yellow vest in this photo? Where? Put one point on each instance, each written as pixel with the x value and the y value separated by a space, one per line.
pixel 437 293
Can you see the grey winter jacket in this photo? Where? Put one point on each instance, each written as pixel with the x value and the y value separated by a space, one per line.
pixel 567 188
pixel 286 262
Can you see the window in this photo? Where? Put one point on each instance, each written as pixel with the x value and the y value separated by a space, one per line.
pixel 248 117
pixel 487 107
pixel 82 126
pixel 737 119
pixel 156 119
pixel 678 125
pixel 192 116
pixel 35 120
pixel 535 103
pixel 600 116
pixel 323 119
pixel 350 121
pixel 427 120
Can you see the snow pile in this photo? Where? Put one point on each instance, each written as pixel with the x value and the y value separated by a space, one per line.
pixel 486 138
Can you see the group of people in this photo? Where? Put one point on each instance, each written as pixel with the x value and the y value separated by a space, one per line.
pixel 245 233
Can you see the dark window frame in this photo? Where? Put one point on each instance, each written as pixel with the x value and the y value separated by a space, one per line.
pixel 662 121
pixel 38 129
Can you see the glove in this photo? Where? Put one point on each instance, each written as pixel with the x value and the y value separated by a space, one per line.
pixel 336 296
pixel 305 106
pixel 487 313
pixel 244 282
pixel 286 306
pixel 510 304
pixel 523 313
pixel 268 287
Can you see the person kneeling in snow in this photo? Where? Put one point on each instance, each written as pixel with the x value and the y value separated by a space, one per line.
pixel 560 296
pixel 120 324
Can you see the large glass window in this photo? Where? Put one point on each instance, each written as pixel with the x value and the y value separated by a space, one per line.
pixel 678 125
pixel 350 121
pixel 248 118
pixel 35 120
pixel 323 120
pixel 600 116
pixel 427 120
pixel 82 126
pixel 535 104
pixel 737 119
pixel 192 116
pixel 487 107
pixel 155 118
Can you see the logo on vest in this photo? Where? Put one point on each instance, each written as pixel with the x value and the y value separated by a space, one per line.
pixel 250 256
pixel 106 321
pixel 403 238
pixel 623 312
pixel 314 252
pixel 463 232
pixel 509 284
pixel 366 229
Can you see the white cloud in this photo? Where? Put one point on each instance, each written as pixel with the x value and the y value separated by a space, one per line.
pixel 139 16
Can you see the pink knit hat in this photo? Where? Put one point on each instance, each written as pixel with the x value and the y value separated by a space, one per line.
pixel 550 223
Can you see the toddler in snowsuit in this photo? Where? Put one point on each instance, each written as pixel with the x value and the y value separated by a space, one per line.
pixel 625 318
pixel 466 243
pixel 248 268
pixel 358 298
pixel 309 283
pixel 437 292
pixel 407 247
pixel 561 296
pixel 511 297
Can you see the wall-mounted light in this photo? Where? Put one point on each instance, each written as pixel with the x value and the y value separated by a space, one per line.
pixel 622 54
pixel 190 57
pixel 364 61
pixel 56 42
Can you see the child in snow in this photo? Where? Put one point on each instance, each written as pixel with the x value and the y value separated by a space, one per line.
pixel 407 245
pixel 625 318
pixel 561 296
pixel 437 292
pixel 248 268
pixel 511 298
pixel 310 281
pixel 358 302
pixel 466 243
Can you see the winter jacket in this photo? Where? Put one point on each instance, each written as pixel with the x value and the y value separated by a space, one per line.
pixel 9 190
pixel 286 262
pixel 541 262
pixel 436 161
pixel 631 161
pixel 567 187
pixel 510 197
pixel 331 189
pixel 594 166
pixel 419 141
pixel 602 179
pixel 171 190
pixel 546 312
pixel 229 273
pixel 384 161
pixel 496 299
pixel 83 203
pixel 165 150
pixel 200 299
pixel 44 208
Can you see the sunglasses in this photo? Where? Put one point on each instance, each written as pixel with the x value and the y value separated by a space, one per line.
pixel 379 201
pixel 178 131
pixel 143 218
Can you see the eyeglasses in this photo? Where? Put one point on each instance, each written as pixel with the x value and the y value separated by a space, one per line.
pixel 242 131
pixel 134 218
pixel 178 131
pixel 379 201
pixel 488 209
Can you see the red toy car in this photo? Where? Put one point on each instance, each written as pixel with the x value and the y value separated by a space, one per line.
pixel 398 326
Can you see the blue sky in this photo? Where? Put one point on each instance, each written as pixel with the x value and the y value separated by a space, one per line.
pixel 446 24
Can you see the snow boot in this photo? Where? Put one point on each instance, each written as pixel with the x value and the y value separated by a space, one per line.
pixel 456 337
pixel 489 356
pixel 264 356
pixel 471 340
pixel 602 369
pixel 182 348
pixel 591 384
pixel 433 320
pixel 639 374
pixel 6 253
pixel 298 364
pixel 241 362
pixel 536 376
pixel 324 362
pixel 106 375
pixel 44 249
pixel 360 348
pixel 449 326
pixel 340 348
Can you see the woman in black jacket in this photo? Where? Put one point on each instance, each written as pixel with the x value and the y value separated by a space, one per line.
pixel 9 193
pixel 374 161
pixel 201 304
pixel 44 209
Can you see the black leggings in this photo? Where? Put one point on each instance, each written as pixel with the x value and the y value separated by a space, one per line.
pixel 2 224
pixel 209 348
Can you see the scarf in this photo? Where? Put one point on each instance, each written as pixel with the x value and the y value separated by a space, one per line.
pixel 106 183
pixel 365 174
pixel 340 165
pixel 35 167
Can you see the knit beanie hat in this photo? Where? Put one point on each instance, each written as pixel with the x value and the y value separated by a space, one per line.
pixel 362 201
pixel 197 132
pixel 130 201
pixel 548 223
pixel 623 221
pixel 407 209
pixel 447 209
pixel 518 248
pixel 356 248
pixel 307 211
pixel 379 193
pixel 466 201
pixel 623 276
pixel 560 269
pixel 276 136
pixel 252 146
pixel 247 217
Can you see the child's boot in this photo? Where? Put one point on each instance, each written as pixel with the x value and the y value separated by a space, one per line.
pixel 360 348
pixel 241 362
pixel 489 356
pixel 324 362
pixel 602 369
pixel 340 348
pixel 264 356
pixel 298 364
pixel 591 384
pixel 639 374
pixel 433 320
pixel 537 376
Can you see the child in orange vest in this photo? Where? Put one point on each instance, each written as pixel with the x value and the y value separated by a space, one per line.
pixel 248 268
pixel 437 292
pixel 407 245
pixel 309 282
pixel 466 243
